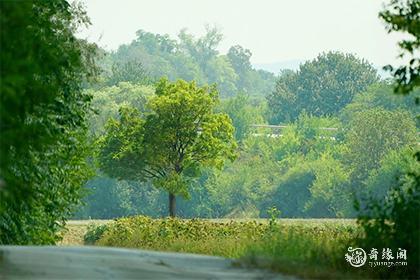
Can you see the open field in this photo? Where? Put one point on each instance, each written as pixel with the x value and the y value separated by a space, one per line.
pixel 76 229
pixel 302 247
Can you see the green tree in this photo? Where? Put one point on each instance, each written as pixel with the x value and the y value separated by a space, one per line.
pixel 404 16
pixel 221 73
pixel 108 100
pixel 239 57
pixel 181 135
pixel 130 71
pixel 394 221
pixel 188 58
pixel 320 87
pixel 380 95
pixel 374 133
pixel 242 114
pixel 202 49
pixel 43 110
pixel 392 167
pixel 331 195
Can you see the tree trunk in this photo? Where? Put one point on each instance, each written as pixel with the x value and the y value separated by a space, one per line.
pixel 172 204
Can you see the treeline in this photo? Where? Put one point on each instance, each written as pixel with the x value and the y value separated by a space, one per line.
pixel 305 172
pixel 152 56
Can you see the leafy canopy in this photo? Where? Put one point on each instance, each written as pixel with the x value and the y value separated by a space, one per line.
pixel 320 87
pixel 404 16
pixel 169 146
pixel 43 110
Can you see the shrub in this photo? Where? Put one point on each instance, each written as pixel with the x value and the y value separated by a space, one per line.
pixel 94 233
pixel 394 222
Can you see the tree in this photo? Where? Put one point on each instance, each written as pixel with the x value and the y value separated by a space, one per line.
pixel 171 144
pixel 130 71
pixel 43 109
pixel 151 56
pixel 380 95
pixel 242 114
pixel 223 75
pixel 239 57
pixel 394 221
pixel 372 134
pixel 404 16
pixel 320 87
pixel 108 100
pixel 202 49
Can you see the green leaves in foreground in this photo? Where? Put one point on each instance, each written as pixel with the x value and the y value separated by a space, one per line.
pixel 43 148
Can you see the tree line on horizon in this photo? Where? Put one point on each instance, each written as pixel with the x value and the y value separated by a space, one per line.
pixel 305 173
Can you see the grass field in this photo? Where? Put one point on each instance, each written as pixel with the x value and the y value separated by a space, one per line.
pixel 76 230
pixel 303 247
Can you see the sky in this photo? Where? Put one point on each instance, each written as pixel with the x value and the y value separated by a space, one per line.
pixel 274 30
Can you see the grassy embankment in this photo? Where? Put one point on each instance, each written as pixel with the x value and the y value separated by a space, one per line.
pixel 304 247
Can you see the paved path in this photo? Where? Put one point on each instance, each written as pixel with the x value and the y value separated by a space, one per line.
pixel 55 262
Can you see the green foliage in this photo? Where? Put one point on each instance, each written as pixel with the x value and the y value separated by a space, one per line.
pixel 229 239
pixel 152 56
pixel 240 60
pixel 179 136
pixel 392 220
pixel 374 133
pixel 314 169
pixel 274 214
pixel 320 87
pixel 380 95
pixel 109 198
pixel 331 193
pixel 387 176
pixel 309 248
pixel 107 101
pixel 390 216
pixel 43 110
pixel 293 191
pixel 130 71
pixel 94 233
pixel 242 113
pixel 404 16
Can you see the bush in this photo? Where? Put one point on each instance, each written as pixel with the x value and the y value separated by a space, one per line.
pixel 394 222
pixel 307 249
pixel 94 233
pixel 229 239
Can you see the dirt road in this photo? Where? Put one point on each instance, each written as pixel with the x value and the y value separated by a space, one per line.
pixel 55 262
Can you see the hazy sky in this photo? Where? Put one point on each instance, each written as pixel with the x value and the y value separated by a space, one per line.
pixel 274 30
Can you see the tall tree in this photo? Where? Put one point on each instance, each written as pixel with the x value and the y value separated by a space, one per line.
pixel 181 135
pixel 320 87
pixel 239 57
pixel 42 117
pixel 374 133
